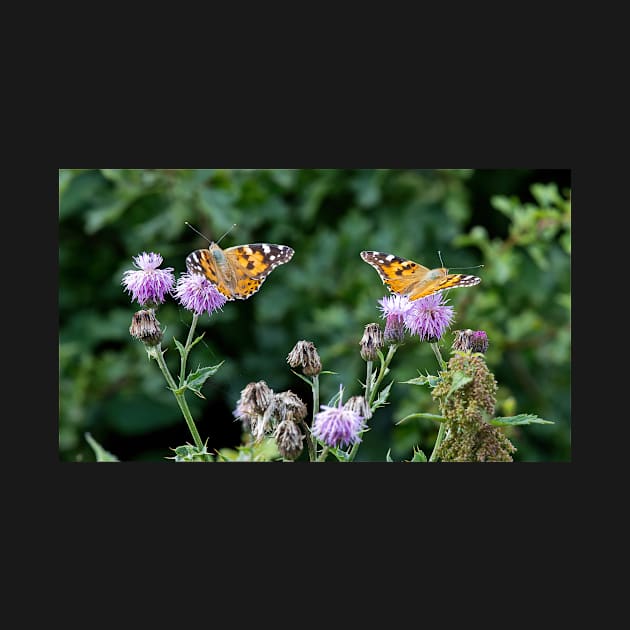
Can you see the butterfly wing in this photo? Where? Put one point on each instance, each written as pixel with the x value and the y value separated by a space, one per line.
pixel 409 278
pixel 251 264
pixel 450 281
pixel 211 264
pixel 398 274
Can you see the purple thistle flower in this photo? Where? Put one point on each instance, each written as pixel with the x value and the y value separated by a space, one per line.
pixel 479 341
pixel 394 308
pixel 429 317
pixel 148 284
pixel 336 426
pixel 196 293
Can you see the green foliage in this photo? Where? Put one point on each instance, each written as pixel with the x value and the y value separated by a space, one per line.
pixel 521 419
pixel 519 228
pixel 100 453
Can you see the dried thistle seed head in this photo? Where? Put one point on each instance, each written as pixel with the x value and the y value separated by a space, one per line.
pixel 289 439
pixel 290 406
pixel 304 353
pixel 261 425
pixel 255 398
pixel 371 342
pixel 146 327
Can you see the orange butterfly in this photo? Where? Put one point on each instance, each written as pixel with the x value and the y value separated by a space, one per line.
pixel 238 272
pixel 409 278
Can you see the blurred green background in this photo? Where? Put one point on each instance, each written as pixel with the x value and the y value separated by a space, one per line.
pixel 516 222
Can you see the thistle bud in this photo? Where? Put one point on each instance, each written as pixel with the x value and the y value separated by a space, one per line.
pixel 290 406
pixel 304 353
pixel 146 328
pixel 253 402
pixel 371 342
pixel 256 397
pixel 289 439
pixel 471 341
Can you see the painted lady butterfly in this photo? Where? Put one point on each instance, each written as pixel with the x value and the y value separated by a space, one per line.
pixel 238 272
pixel 409 278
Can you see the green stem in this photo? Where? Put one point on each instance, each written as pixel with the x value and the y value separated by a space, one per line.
pixel 309 443
pixel 438 441
pixel 315 387
pixel 368 382
pixel 440 436
pixel 438 355
pixel 323 454
pixel 382 371
pixel 187 347
pixel 158 355
pixel 369 393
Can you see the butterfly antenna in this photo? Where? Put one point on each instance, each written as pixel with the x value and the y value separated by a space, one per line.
pixel 451 268
pixel 233 226
pixel 475 267
pixel 198 232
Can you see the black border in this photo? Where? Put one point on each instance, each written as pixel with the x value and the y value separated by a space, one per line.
pixel 246 497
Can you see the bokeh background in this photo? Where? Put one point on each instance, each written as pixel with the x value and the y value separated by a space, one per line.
pixel 516 222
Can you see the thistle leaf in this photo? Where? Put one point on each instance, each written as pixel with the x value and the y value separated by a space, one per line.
pixel 519 420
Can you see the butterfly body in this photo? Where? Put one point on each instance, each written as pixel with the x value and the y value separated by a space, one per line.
pixel 406 277
pixel 238 272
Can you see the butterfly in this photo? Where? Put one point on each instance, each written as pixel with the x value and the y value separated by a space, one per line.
pixel 409 278
pixel 238 272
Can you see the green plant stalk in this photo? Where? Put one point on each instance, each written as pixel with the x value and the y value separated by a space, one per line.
pixel 158 355
pixel 438 355
pixel 323 454
pixel 309 443
pixel 382 371
pixel 442 430
pixel 315 388
pixel 368 382
pixel 187 347
pixel 369 395
pixel 438 441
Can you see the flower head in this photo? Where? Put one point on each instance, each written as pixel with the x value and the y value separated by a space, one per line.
pixel 305 353
pixel 254 399
pixel 472 340
pixel 394 308
pixel 196 293
pixel 429 317
pixel 282 407
pixel 337 426
pixel 148 284
pixel 371 341
pixel 289 439
pixel 289 406
pixel 358 404
pixel 146 328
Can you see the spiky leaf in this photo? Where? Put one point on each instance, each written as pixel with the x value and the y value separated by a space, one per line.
pixel 196 379
pixel 519 420
pixel 418 456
